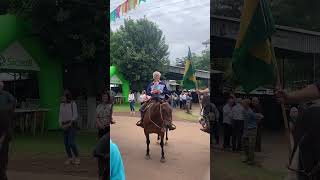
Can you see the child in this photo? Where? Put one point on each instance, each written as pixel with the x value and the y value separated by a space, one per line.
pixel 250 132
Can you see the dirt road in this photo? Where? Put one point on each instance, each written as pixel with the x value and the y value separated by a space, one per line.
pixel 187 153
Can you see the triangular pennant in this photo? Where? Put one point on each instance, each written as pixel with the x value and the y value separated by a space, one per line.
pixel 113 15
pixel 132 4
pixel 123 8
pixel 118 11
pixel 135 3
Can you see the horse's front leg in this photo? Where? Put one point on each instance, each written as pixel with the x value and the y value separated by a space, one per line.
pixel 166 137
pixel 158 139
pixel 148 143
pixel 162 149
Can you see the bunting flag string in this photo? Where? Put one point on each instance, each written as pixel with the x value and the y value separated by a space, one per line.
pixel 123 9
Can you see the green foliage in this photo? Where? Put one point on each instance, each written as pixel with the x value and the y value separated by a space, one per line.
pixel 201 62
pixel 138 48
pixel 74 31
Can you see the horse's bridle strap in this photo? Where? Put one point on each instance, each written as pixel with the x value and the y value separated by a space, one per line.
pixel 161 128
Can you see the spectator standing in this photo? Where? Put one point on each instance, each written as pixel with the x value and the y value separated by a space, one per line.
pixel 256 107
pixel 237 125
pixel 131 100
pixel 67 120
pixel 250 132
pixel 104 115
pixel 227 122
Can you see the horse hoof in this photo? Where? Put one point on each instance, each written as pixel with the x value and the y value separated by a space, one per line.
pixel 148 157
pixel 163 160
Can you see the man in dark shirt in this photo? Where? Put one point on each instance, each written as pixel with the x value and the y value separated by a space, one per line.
pixel 7 105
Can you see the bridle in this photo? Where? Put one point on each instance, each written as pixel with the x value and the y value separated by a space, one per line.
pixel 163 122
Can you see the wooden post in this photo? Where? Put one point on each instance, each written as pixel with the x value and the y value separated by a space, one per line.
pixel 279 84
pixel 284 114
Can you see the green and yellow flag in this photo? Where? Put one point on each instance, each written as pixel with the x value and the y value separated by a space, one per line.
pixel 189 78
pixel 252 58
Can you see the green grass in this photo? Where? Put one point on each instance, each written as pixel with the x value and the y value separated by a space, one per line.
pixel 185 116
pixel 52 143
pixel 124 107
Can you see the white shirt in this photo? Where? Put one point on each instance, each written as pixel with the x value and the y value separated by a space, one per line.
pixel 227 114
pixel 68 112
pixel 238 112
pixel 131 97
pixel 184 97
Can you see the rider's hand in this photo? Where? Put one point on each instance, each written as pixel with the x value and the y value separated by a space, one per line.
pixel 155 92
pixel 281 95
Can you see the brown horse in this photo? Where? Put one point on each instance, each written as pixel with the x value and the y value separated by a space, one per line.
pixel 154 121
pixel 307 147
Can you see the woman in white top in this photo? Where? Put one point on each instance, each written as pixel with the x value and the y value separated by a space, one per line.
pixel 131 100
pixel 144 97
pixel 67 120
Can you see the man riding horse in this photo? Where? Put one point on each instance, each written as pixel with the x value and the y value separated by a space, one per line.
pixel 158 92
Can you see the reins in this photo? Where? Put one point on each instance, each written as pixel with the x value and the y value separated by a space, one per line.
pixel 163 123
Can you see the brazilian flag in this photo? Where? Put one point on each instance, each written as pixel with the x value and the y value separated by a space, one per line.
pixel 189 79
pixel 252 58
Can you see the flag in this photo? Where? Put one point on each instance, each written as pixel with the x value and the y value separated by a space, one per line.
pixel 252 57
pixel 189 79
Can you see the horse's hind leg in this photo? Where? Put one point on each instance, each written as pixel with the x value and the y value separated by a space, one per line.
pixel 162 151
pixel 166 137
pixel 148 150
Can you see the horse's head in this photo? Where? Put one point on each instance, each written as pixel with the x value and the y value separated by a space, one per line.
pixel 166 111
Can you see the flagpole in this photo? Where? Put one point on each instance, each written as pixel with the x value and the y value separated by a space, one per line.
pixel 279 84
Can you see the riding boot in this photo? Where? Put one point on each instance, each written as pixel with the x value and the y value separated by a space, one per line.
pixel 142 111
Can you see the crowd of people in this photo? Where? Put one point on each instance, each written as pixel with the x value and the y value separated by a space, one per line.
pixel 68 121
pixel 241 126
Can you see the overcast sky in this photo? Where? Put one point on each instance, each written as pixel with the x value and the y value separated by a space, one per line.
pixel 183 22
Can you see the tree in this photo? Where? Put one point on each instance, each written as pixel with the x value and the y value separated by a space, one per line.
pixel 138 48
pixel 202 62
